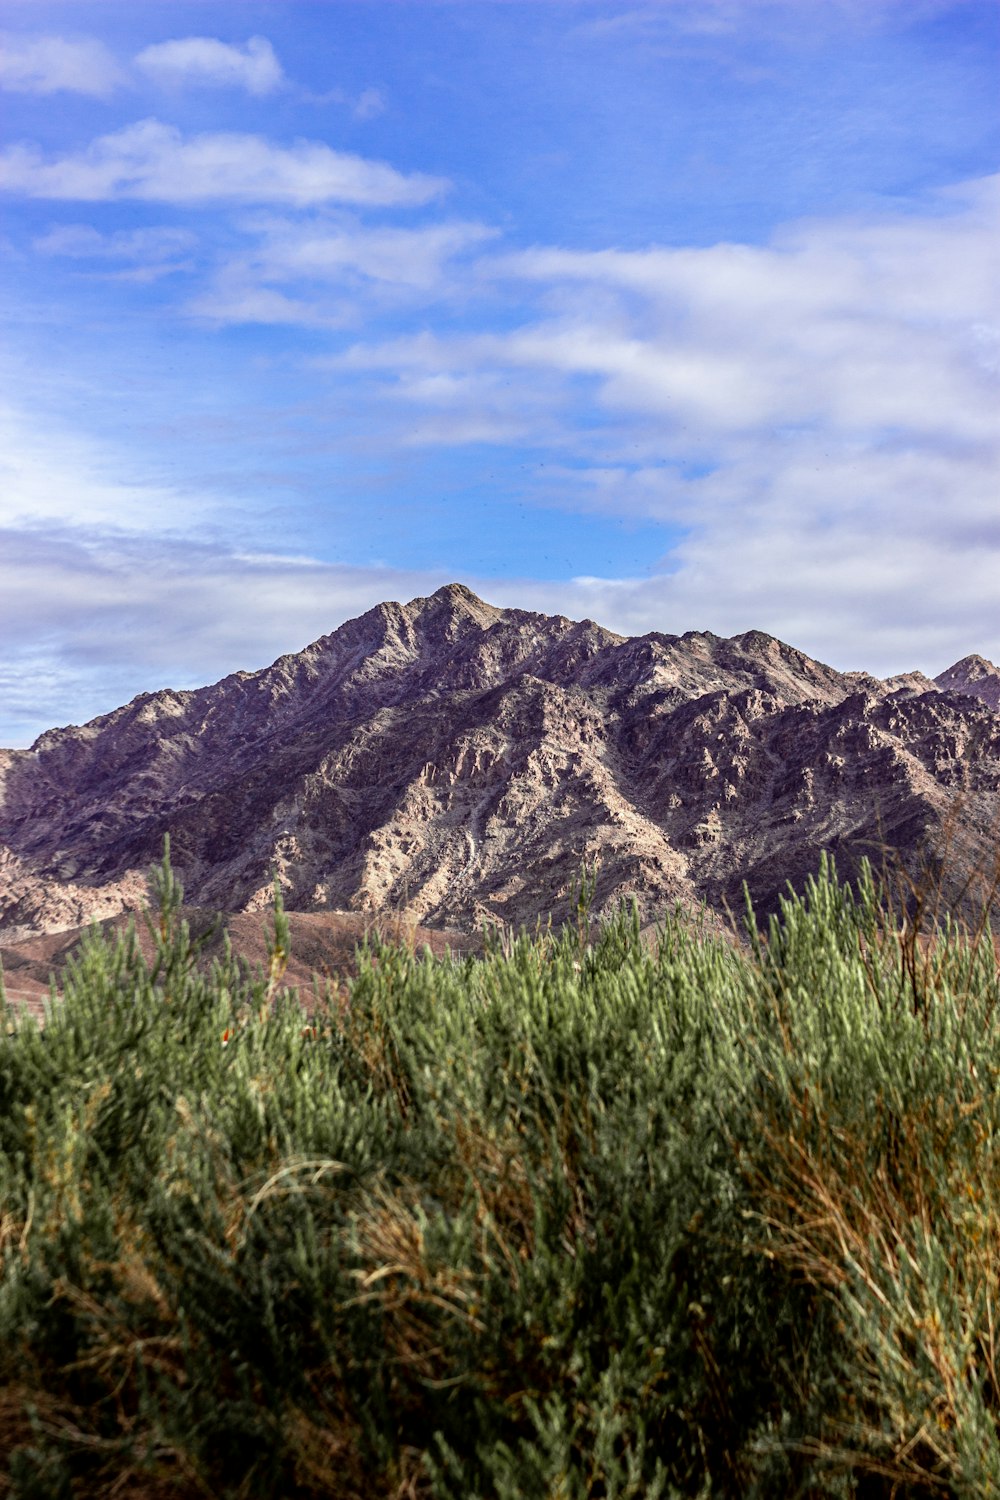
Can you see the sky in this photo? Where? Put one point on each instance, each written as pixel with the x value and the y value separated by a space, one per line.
pixel 677 316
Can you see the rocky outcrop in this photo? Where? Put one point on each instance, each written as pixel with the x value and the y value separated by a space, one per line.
pixel 974 676
pixel 453 763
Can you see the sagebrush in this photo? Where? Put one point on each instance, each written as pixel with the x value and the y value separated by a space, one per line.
pixel 581 1217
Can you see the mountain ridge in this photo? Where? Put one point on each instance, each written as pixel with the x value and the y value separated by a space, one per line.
pixel 456 762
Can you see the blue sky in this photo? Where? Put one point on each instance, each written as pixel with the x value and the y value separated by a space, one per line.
pixel 678 316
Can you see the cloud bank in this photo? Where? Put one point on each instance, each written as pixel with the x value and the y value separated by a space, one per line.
pixel 816 419
pixel 803 425
pixel 821 415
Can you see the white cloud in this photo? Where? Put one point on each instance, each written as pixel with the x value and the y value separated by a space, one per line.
pixel 856 331
pixel 145 254
pixel 56 64
pixel 366 105
pixel 84 242
pixel 415 258
pixel 193 611
pixel 338 268
pixel 91 619
pixel 819 417
pixel 155 162
pixel 236 297
pixel 369 104
pixel 664 23
pixel 204 60
pixel 856 326
pixel 51 475
pixel 332 250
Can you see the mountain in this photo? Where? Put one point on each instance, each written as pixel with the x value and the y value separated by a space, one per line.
pixel 452 762
pixel 974 676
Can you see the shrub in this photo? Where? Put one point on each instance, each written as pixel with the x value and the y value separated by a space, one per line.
pixel 576 1218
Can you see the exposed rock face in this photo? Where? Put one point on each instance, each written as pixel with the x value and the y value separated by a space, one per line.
pixel 975 676
pixel 453 762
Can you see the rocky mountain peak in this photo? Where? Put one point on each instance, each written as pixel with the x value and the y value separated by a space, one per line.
pixel 453 763
pixel 975 676
pixel 451 612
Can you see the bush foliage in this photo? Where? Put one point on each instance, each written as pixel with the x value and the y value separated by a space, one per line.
pixel 578 1218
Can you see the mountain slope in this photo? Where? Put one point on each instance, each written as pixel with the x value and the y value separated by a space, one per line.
pixel 455 762
pixel 976 677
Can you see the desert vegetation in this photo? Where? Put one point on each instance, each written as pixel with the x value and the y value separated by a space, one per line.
pixel 580 1217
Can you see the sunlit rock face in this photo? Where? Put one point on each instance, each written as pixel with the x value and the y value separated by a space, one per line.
pixel 455 763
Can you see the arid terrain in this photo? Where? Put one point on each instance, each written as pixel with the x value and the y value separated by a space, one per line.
pixel 326 947
pixel 449 763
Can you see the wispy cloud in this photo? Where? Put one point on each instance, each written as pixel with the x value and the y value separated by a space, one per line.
pixel 89 619
pixel 203 61
pixel 56 64
pixel 366 105
pixel 156 162
pixel 51 475
pixel 369 104
pixel 882 331
pixel 859 326
pixel 48 64
pixel 820 416
pixel 662 20
pixel 84 242
pixel 136 254
pixel 333 250
pixel 236 297
pixel 331 263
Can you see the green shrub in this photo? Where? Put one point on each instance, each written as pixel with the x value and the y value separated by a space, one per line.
pixel 577 1219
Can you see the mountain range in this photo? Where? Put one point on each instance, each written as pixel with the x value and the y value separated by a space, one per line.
pixel 454 763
